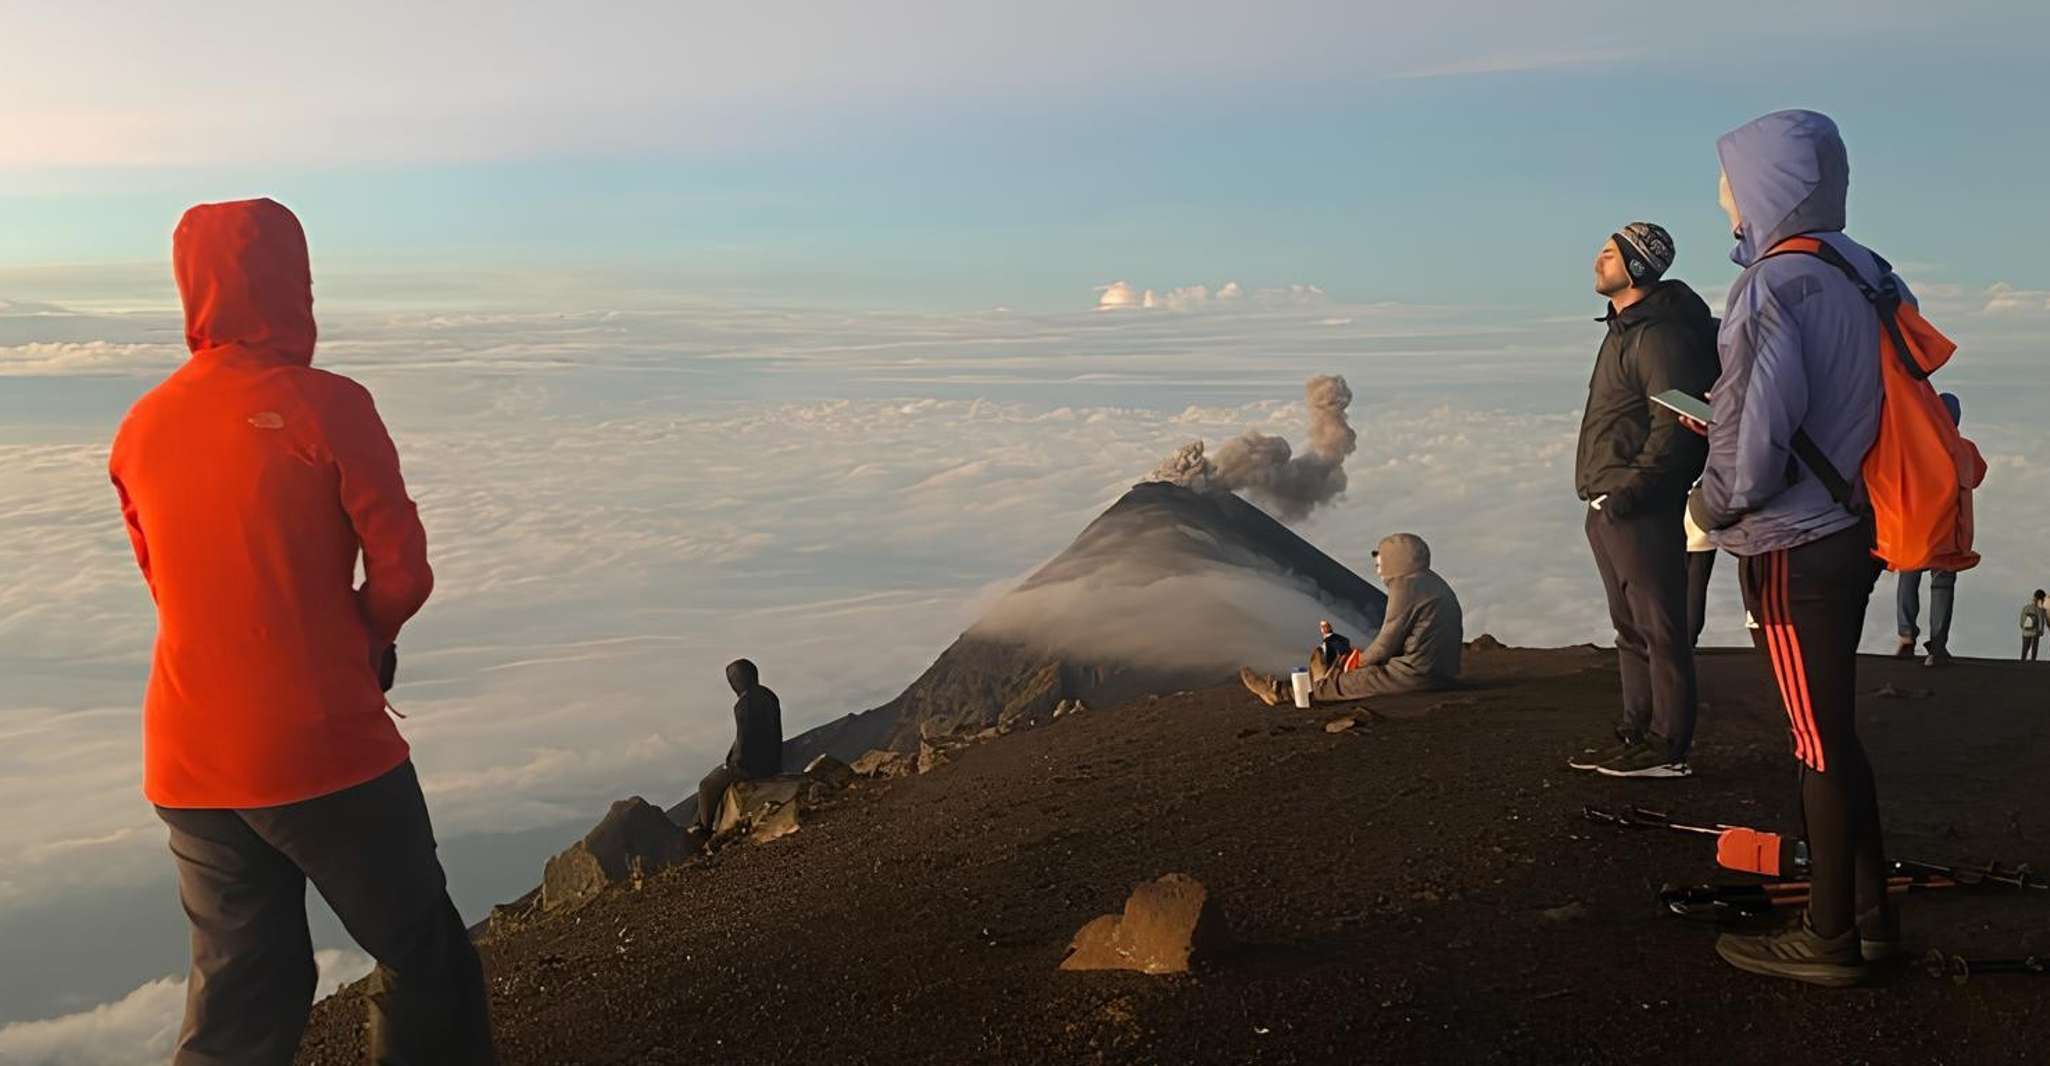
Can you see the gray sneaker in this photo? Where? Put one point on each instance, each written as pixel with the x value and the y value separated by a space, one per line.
pixel 1646 758
pixel 1592 758
pixel 1797 954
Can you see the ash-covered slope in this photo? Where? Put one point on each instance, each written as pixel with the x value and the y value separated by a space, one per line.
pixel 1168 589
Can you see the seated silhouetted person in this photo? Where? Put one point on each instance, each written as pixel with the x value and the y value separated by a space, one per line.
pixel 757 741
pixel 1332 645
pixel 1417 648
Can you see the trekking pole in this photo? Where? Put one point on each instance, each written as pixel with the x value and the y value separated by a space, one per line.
pixel 1639 818
pixel 1961 969
pixel 1737 847
pixel 1740 901
pixel 1755 851
pixel 2021 877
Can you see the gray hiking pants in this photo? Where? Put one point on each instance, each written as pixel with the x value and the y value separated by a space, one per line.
pixel 369 849
pixel 712 792
pixel 1334 686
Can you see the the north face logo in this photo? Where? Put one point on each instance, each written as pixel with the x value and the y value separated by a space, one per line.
pixel 267 420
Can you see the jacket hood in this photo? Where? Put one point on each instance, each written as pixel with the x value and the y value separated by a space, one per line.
pixel 742 675
pixel 1402 555
pixel 243 275
pixel 1670 299
pixel 1789 175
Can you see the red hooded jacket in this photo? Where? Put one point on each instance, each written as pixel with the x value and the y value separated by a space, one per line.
pixel 250 482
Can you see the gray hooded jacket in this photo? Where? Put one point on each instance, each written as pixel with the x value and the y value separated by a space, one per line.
pixel 1422 633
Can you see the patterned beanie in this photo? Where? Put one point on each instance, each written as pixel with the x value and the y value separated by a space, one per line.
pixel 1647 251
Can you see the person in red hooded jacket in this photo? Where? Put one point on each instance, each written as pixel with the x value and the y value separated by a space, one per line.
pixel 251 484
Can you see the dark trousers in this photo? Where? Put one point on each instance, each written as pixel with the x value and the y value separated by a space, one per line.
pixel 712 791
pixel 1643 563
pixel 1908 606
pixel 1700 568
pixel 1810 605
pixel 2029 648
pixel 242 876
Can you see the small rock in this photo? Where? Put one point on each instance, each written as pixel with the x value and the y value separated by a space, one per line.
pixel 830 772
pixel 1560 915
pixel 777 823
pixel 932 756
pixel 1167 924
pixel 746 802
pixel 880 763
pixel 1340 724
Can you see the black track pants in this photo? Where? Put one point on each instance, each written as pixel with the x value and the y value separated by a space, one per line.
pixel 1810 606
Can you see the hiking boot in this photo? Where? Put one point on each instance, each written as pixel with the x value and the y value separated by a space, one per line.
pixel 1797 954
pixel 1591 758
pixel 1879 935
pixel 1267 688
pixel 1937 657
pixel 1646 758
pixel 1905 649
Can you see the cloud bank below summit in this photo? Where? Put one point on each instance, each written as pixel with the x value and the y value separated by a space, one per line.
pixel 621 498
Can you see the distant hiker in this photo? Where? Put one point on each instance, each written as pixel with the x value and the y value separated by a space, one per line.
pixel 1942 595
pixel 1334 646
pixel 757 749
pixel 1417 648
pixel 1700 571
pixel 250 482
pixel 1796 410
pixel 1635 464
pixel 2035 619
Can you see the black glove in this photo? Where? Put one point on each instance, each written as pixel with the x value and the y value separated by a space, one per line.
pixel 388 668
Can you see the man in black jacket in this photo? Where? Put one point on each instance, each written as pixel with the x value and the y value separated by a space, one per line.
pixel 1635 466
pixel 757 741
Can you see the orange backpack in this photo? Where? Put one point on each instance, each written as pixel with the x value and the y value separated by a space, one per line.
pixel 1921 471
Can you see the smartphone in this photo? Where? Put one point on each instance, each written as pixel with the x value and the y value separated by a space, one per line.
pixel 1679 402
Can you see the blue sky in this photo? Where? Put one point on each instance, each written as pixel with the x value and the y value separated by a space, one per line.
pixel 1464 153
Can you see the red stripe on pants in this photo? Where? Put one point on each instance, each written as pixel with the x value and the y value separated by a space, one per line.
pixel 1788 666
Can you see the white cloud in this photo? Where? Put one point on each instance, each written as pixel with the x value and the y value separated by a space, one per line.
pixel 139 1027
pixel 621 499
pixel 1119 294
pixel 1122 295
pixel 90 357
pixel 2002 298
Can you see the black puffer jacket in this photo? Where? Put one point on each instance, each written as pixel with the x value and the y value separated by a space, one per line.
pixel 757 723
pixel 1634 451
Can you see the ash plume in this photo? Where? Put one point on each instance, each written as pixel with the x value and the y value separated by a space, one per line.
pixel 1270 471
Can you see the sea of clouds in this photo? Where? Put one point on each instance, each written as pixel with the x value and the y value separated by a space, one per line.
pixel 623 492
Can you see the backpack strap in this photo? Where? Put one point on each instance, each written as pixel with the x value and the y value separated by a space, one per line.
pixel 1886 302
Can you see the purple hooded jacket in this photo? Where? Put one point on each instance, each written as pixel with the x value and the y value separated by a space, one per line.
pixel 1799 344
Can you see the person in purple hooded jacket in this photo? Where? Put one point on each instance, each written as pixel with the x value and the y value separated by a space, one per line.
pixel 1799 346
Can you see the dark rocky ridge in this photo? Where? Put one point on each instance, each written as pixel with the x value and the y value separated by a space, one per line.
pixel 1420 888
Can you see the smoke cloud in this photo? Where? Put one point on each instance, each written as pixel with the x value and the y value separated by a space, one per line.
pixel 1267 469
pixel 1213 616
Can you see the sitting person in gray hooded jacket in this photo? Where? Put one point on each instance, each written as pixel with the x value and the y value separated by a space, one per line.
pixel 1417 648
